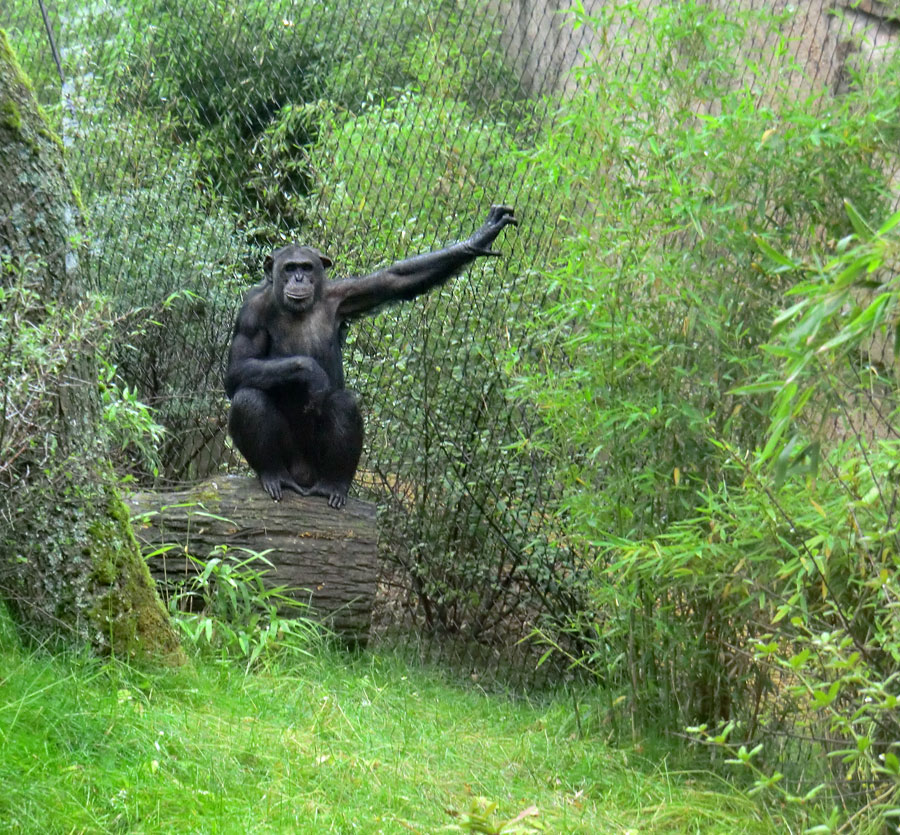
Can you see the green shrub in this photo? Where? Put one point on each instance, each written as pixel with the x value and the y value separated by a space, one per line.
pixel 833 643
pixel 40 343
pixel 248 85
pixel 229 610
pixel 659 315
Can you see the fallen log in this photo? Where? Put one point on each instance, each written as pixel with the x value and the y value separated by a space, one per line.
pixel 329 557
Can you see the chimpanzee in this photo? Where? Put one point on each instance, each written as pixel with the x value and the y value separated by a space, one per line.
pixel 291 417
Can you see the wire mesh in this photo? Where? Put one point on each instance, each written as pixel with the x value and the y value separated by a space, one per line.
pixel 324 122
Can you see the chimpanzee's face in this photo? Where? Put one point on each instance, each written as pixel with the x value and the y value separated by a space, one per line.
pixel 297 274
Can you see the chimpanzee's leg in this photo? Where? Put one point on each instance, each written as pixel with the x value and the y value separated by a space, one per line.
pixel 261 432
pixel 337 446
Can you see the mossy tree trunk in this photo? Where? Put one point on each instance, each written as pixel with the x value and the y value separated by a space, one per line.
pixel 69 563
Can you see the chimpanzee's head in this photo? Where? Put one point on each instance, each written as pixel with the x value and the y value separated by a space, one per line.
pixel 297 274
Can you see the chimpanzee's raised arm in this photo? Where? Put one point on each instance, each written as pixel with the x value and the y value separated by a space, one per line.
pixel 419 274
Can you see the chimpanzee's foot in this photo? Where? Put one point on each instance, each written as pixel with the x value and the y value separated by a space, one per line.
pixel 337 499
pixel 273 485
pixel 335 493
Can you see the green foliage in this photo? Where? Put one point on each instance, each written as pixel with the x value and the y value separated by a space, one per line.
pixel 228 608
pixel 249 86
pixel 835 639
pixel 399 154
pixel 464 529
pixel 35 351
pixel 661 304
pixel 665 394
pixel 481 818
pixel 131 422
pixel 40 340
pixel 845 316
pixel 173 278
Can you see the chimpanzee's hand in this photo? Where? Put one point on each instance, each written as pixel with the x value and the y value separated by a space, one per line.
pixel 498 218
pixel 306 370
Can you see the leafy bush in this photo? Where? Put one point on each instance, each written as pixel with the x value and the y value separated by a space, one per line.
pixel 712 599
pixel 392 143
pixel 832 446
pixel 36 353
pixel 41 344
pixel 247 85
pixel 464 526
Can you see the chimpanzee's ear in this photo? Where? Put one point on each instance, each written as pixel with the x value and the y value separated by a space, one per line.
pixel 326 261
pixel 267 266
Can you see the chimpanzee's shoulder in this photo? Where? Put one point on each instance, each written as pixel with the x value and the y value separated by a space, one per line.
pixel 255 308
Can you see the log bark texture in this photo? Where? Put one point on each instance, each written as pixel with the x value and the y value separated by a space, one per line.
pixel 328 556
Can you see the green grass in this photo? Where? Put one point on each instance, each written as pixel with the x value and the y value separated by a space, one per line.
pixel 337 744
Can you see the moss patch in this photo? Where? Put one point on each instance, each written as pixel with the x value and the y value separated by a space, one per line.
pixel 127 610
pixel 7 55
pixel 10 116
pixel 37 125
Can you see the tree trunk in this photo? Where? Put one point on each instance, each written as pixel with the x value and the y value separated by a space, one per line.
pixel 327 558
pixel 69 563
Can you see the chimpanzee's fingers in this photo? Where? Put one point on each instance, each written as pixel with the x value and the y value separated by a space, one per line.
pixel 501 214
pixel 273 487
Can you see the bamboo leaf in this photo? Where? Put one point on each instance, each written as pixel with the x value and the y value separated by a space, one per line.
pixel 761 387
pixel 774 254
pixel 853 330
pixel 862 228
pixel 889 224
pixel 849 274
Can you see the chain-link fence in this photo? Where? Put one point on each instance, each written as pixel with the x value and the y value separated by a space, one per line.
pixel 203 134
